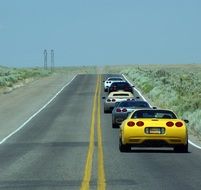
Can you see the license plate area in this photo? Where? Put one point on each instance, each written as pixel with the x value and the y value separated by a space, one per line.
pixel 154 130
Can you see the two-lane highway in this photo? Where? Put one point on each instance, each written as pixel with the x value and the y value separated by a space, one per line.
pixel 71 145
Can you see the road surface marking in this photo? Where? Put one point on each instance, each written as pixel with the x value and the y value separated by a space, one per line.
pixel 101 172
pixel 30 118
pixel 89 159
pixel 95 122
pixel 193 144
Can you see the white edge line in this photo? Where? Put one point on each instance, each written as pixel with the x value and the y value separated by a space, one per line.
pixel 135 88
pixel 30 118
pixel 193 144
pixel 190 142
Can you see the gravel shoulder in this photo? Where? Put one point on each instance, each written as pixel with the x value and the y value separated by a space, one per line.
pixel 20 104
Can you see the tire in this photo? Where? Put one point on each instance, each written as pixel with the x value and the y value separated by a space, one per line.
pixel 124 147
pixel 106 111
pixel 115 125
pixel 181 148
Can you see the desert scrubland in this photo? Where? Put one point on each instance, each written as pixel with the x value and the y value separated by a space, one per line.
pixel 174 86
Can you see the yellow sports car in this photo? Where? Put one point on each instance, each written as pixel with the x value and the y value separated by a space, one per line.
pixel 153 128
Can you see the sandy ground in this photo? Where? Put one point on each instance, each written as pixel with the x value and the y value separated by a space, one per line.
pixel 17 105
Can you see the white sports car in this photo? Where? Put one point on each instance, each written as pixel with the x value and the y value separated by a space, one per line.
pixel 110 80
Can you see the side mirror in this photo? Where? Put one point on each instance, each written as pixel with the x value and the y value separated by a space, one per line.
pixel 137 97
pixel 103 97
pixel 186 120
pixel 154 107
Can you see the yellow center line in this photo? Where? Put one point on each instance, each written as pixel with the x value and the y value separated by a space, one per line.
pixel 88 164
pixel 95 120
pixel 101 171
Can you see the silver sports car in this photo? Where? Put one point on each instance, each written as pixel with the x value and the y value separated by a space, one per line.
pixel 124 108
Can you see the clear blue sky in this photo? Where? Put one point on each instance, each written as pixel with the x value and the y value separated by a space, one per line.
pixel 100 32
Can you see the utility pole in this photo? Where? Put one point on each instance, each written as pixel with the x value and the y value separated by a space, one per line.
pixel 45 59
pixel 52 60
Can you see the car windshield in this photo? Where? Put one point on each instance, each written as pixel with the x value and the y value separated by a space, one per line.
pixel 140 104
pixel 120 84
pixel 115 79
pixel 160 114
pixel 121 94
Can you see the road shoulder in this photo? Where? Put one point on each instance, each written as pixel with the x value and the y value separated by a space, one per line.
pixel 21 103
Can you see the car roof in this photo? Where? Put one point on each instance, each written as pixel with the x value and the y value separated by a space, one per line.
pixel 135 101
pixel 153 111
pixel 123 82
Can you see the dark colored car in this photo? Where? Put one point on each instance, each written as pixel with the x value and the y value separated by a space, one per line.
pixel 116 86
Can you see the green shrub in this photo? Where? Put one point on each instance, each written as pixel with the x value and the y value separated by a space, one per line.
pixel 10 76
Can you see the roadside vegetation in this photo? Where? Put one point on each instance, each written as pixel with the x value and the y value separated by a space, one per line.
pixel 176 87
pixel 11 78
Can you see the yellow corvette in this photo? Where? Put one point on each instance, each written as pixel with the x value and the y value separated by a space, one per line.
pixel 153 128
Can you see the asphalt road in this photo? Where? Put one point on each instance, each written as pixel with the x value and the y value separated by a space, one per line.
pixel 71 145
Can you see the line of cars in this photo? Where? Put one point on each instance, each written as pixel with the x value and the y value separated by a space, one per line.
pixel 142 125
